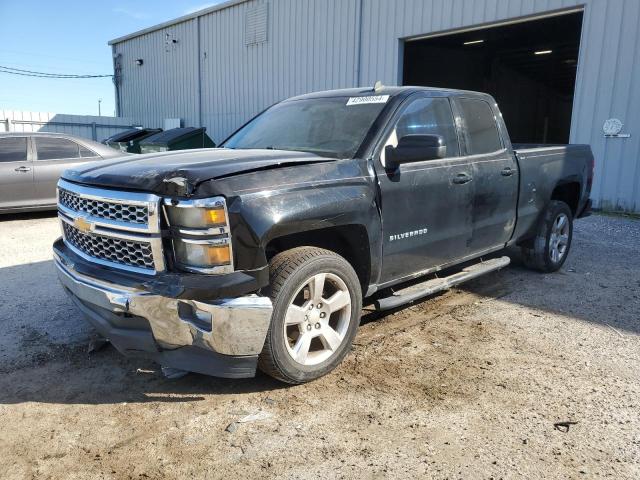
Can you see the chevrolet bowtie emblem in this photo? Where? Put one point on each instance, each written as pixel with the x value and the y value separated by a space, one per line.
pixel 82 224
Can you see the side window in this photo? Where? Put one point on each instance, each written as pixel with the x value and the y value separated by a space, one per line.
pixel 13 149
pixel 52 148
pixel 482 132
pixel 430 116
pixel 86 153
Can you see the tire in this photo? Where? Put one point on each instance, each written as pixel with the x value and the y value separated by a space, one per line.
pixel 323 323
pixel 549 249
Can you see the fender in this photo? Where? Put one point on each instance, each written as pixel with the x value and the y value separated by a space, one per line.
pixel 267 205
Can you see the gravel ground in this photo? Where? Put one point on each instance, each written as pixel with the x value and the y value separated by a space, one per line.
pixel 468 384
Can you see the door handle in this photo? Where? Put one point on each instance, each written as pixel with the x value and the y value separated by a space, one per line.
pixel 23 169
pixel 461 178
pixel 507 172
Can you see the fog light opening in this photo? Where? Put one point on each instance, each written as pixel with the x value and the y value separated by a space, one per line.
pixel 200 319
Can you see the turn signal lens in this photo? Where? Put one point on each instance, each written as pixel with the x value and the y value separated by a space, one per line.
pixel 217 216
pixel 218 255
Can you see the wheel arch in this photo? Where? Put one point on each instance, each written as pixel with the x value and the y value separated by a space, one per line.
pixel 569 193
pixel 350 241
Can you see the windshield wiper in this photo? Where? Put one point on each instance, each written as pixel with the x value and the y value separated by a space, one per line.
pixel 320 152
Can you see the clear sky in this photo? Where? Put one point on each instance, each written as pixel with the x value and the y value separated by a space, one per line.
pixel 70 37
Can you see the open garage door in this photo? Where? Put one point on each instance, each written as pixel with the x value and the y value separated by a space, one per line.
pixel 528 66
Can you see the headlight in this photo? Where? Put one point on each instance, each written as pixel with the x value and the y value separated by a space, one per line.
pixel 201 235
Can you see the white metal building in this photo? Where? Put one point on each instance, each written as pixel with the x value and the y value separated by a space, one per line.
pixel 558 68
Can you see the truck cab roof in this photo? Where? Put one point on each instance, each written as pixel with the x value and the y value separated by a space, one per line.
pixel 392 91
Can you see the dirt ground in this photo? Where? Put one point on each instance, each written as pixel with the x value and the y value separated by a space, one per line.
pixel 468 384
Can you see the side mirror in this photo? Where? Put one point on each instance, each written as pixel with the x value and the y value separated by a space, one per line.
pixel 415 148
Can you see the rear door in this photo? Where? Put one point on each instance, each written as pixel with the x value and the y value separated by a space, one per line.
pixel 53 156
pixel 425 208
pixel 495 174
pixel 16 172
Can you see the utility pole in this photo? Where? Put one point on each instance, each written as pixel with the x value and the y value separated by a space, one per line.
pixel 99 102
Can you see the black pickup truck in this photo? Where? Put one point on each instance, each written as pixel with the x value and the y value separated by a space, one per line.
pixel 260 253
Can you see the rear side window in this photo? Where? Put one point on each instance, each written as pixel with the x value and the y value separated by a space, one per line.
pixel 430 116
pixel 51 148
pixel 482 132
pixel 86 153
pixel 13 149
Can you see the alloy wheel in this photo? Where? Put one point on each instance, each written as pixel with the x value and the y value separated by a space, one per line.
pixel 317 319
pixel 559 239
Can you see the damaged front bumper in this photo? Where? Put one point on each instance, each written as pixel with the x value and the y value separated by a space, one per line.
pixel 222 337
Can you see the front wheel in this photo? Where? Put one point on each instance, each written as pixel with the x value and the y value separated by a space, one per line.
pixel 548 250
pixel 317 300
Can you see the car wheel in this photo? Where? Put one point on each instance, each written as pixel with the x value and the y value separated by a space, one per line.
pixel 317 300
pixel 548 251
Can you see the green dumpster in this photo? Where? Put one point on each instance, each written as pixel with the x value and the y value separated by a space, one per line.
pixel 129 140
pixel 177 139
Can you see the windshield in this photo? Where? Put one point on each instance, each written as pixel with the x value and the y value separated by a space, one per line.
pixel 331 127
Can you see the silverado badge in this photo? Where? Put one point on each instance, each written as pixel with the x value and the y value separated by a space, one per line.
pixel 82 224
pixel 413 233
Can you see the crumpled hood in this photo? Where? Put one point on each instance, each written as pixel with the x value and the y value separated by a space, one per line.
pixel 179 172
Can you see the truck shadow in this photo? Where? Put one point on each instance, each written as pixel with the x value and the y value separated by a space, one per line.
pixel 8 217
pixel 44 353
pixel 108 378
pixel 580 290
pixel 589 287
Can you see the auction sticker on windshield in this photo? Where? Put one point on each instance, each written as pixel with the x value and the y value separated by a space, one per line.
pixel 367 99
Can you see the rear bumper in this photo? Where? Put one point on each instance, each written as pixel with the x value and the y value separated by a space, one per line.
pixel 220 338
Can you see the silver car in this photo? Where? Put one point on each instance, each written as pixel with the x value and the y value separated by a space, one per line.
pixel 31 163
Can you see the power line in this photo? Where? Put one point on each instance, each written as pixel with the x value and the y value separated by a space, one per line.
pixel 21 55
pixel 19 71
pixel 31 73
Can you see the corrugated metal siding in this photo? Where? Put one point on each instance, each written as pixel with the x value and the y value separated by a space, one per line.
pixel 311 46
pixel 315 45
pixel 609 86
pixel 166 84
pixel 386 22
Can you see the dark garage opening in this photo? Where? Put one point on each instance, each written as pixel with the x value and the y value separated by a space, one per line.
pixel 529 67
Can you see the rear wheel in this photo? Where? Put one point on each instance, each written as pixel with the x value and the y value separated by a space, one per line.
pixel 548 251
pixel 316 311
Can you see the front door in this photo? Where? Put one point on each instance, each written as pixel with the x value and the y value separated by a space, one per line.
pixel 16 172
pixel 426 205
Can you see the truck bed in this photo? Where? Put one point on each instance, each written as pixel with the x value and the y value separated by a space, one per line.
pixel 543 168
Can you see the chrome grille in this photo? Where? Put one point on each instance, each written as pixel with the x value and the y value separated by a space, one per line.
pixel 102 209
pixel 116 229
pixel 125 252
